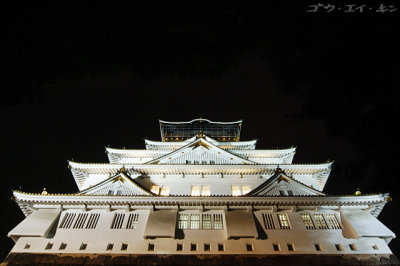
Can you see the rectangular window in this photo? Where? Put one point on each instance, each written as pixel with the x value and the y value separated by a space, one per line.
pixel 203 162
pixel 83 246
pixel 179 247
pixel 119 192
pixel 207 247
pixel 307 221
pixel 80 221
pixel 290 247
pixel 111 192
pixel 155 189
pixel 276 247
pixel 283 221
pixel 183 221
pixel 333 221
pixel 317 247
pixel 124 246
pixel 236 191
pixel 245 189
pixel 290 193
pixel 282 193
pixel 67 220
pixel 218 223
pixel 221 247
pixel 195 191
pixel 375 247
pixel 212 162
pixel 93 219
pixel 117 221
pixel 206 221
pixel 268 221
pixel 27 246
pixel 205 190
pixel 150 247
pixel 63 246
pixel 188 162
pixel 193 247
pixel 195 221
pixel 164 191
pixel 133 219
pixel 110 246
pixel 49 246
pixel 320 221
pixel 195 162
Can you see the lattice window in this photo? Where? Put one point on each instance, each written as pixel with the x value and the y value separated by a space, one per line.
pixel 283 221
pixel 164 191
pixel 307 221
pixel 268 221
pixel 117 221
pixel 80 221
pixel 67 220
pixel 218 222
pixel 155 189
pixel 205 190
pixel 207 221
pixel 93 219
pixel 195 221
pixel 333 221
pixel 195 191
pixel 320 221
pixel 183 221
pixel 236 191
pixel 245 189
pixel 133 219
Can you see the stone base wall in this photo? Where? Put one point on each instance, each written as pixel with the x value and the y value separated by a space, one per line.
pixel 96 259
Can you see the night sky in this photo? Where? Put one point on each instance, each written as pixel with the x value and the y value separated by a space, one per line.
pixel 77 78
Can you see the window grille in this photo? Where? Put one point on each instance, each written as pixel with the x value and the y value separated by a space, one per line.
pixel 283 221
pixel 236 191
pixel 133 219
pixel 195 221
pixel 117 221
pixel 80 221
pixel 93 219
pixel 207 222
pixel 155 189
pixel 307 221
pixel 320 221
pixel 245 189
pixel 67 220
pixel 218 223
pixel 333 221
pixel 195 191
pixel 164 191
pixel 268 221
pixel 205 190
pixel 183 221
pixel 290 193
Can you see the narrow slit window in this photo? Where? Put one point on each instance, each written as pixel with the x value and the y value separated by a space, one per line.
pixel 193 247
pixel 318 247
pixel 195 221
pixel 111 192
pixel 221 247
pixel 353 247
pixel 207 247
pixel 276 247
pixel 249 247
pixel 150 247
pixel 63 246
pixel 338 247
pixel 183 221
pixel 290 247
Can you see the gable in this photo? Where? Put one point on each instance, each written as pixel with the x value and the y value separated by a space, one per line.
pixel 200 151
pixel 282 185
pixel 119 184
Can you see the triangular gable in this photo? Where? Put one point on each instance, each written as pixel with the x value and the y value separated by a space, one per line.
pixel 119 184
pixel 281 184
pixel 200 150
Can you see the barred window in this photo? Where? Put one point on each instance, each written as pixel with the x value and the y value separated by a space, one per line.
pixel 283 221
pixel 236 191
pixel 268 221
pixel 155 189
pixel 205 221
pixel 67 220
pixel 245 189
pixel 164 191
pixel 133 219
pixel 80 220
pixel 307 221
pixel 205 190
pixel 333 221
pixel 117 221
pixel 195 190
pixel 93 219
pixel 320 221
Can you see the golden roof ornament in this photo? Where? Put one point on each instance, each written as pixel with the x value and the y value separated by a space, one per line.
pixel 200 135
pixel 358 192
pixel 44 192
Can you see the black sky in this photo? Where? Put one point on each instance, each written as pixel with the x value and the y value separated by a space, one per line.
pixel 80 77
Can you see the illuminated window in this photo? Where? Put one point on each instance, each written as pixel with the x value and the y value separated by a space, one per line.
pixel 183 221
pixel 245 189
pixel 164 191
pixel 307 221
pixel 236 191
pixel 155 189
pixel 195 221
pixel 207 221
pixel 195 191
pixel 320 221
pixel 333 221
pixel 205 190
pixel 283 221
pixel 218 224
